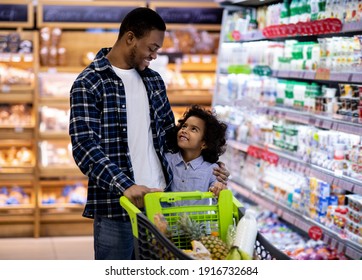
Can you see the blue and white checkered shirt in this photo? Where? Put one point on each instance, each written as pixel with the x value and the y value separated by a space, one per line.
pixel 98 131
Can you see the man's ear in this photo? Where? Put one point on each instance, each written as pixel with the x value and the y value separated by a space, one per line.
pixel 129 37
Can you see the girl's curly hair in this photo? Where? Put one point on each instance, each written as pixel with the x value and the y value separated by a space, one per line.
pixel 214 136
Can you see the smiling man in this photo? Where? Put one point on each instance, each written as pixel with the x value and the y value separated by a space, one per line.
pixel 120 120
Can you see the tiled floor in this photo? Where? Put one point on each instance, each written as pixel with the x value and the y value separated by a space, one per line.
pixel 47 248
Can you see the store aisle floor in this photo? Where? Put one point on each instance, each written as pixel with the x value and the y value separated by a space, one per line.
pixel 47 248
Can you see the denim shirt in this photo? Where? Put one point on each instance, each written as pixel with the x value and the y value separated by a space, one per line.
pixel 98 131
pixel 196 175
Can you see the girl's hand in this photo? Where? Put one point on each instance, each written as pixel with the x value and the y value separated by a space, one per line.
pixel 217 187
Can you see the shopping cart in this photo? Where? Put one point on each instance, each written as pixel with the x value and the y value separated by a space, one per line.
pixel 151 244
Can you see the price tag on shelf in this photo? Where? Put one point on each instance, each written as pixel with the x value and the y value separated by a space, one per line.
pixel 18 129
pixel 305 119
pixel 340 76
pixel 341 247
pixel 326 124
pixel 28 57
pixel 334 126
pixel 279 212
pixel 195 58
pixel 358 129
pixel 288 217
pixel 338 173
pixel 357 189
pixel 5 89
pixel 348 186
pixel 302 225
pixel 296 74
pixel 283 74
pixel 314 173
pixel 326 178
pixel 333 243
pixel 356 77
pixel 326 239
pixel 319 123
pixel 52 70
pixel 351 129
pixel 309 75
pixel 323 74
pixel 353 254
pixel 312 121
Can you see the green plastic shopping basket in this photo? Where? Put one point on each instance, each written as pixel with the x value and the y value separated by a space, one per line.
pixel 151 244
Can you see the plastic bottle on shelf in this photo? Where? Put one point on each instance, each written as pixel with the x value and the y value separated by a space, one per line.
pixel 285 12
pixel 294 11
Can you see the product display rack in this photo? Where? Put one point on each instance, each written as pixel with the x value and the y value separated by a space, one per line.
pixel 18 174
pixel 339 123
pixel 51 173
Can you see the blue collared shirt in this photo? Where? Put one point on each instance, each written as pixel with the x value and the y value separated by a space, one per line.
pixel 98 131
pixel 196 175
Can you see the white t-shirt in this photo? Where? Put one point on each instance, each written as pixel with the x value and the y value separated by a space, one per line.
pixel 147 167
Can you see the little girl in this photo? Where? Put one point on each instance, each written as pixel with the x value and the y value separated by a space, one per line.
pixel 199 143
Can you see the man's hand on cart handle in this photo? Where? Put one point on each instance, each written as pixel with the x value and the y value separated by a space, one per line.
pixel 136 194
pixel 221 173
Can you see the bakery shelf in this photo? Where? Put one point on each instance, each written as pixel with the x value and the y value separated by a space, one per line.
pixel 17 132
pixel 54 101
pixel 50 135
pixel 60 171
pixel 179 98
pixel 23 213
pixel 12 97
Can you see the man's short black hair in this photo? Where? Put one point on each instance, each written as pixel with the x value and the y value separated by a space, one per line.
pixel 141 21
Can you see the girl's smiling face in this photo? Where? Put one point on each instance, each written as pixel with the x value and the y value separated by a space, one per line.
pixel 190 137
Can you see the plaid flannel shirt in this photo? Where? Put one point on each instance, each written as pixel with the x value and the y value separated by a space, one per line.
pixel 98 131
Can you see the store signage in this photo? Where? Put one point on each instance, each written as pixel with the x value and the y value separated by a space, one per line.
pixel 84 14
pixel 192 15
pixel 315 232
pixel 13 13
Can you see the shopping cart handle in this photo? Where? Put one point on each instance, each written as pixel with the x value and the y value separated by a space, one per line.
pixel 171 197
pixel 132 211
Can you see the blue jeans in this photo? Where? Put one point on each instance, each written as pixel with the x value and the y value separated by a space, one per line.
pixel 113 239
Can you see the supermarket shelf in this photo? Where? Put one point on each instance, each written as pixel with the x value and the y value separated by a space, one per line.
pixel 16 97
pixel 288 159
pixel 351 249
pixel 56 101
pixel 60 171
pixel 337 122
pixel 180 97
pixel 24 212
pixel 17 132
pixel 349 29
pixel 13 171
pixel 16 89
pixel 59 135
pixel 332 76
